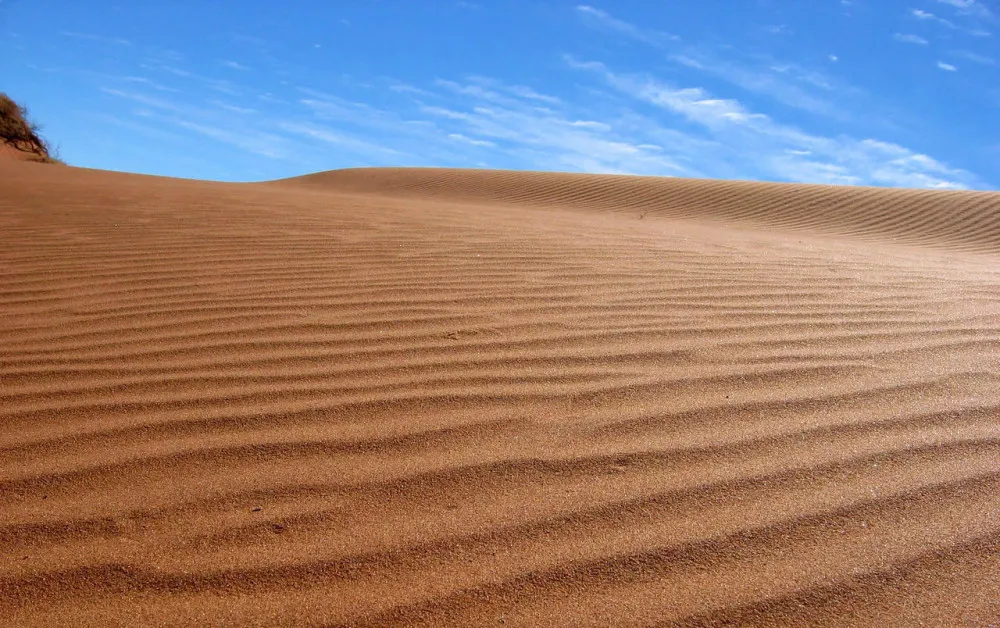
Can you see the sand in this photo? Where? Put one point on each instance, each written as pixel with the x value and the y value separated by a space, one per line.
pixel 444 397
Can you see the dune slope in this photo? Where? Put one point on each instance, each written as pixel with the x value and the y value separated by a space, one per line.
pixel 392 397
pixel 957 220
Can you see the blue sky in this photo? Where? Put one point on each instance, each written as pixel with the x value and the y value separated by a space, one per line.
pixel 869 92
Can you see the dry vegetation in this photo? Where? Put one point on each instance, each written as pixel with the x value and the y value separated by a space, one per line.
pixel 18 131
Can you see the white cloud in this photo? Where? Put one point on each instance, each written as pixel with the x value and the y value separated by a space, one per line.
pixel 133 80
pixel 947 67
pixel 606 20
pixel 803 75
pixel 233 108
pixel 519 91
pixel 968 10
pixel 787 83
pixel 146 100
pixel 341 140
pixel 833 58
pixel 403 88
pixel 907 38
pixel 234 65
pixel 446 113
pixel 115 41
pixel 557 138
pixel 927 16
pixel 489 121
pixel 626 123
pixel 590 124
pixel 974 57
pixel 346 112
pixel 970 7
pixel 249 39
pixel 527 92
pixel 216 84
pixel 209 122
pixel 476 91
pixel 258 143
pixel 458 137
pixel 138 127
pixel 764 148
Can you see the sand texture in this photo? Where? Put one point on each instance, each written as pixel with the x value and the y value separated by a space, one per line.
pixel 433 397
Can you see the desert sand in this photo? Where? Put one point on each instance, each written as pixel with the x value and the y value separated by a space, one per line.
pixel 445 397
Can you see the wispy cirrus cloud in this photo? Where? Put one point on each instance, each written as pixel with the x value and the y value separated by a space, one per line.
pixel 343 141
pixel 251 140
pixel 765 148
pixel 748 97
pixel 907 38
pixel 233 108
pixel 971 16
pixel 784 151
pixel 969 7
pixel 974 57
pixel 488 122
pixel 114 41
pixel 249 39
pixel 142 80
pixel 458 137
pixel 788 84
pixel 209 122
pixel 520 91
pixel 610 122
pixel 128 80
pixel 602 19
pixel 927 16
pixel 221 85
pixel 145 99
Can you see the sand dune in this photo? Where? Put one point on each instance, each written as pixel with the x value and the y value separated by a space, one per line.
pixel 962 220
pixel 431 397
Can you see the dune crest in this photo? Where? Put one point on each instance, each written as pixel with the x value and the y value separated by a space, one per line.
pixel 397 397
pixel 948 219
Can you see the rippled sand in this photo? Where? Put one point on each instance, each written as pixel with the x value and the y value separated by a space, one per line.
pixel 396 397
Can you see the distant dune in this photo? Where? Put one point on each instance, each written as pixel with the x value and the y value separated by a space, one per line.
pixel 444 397
pixel 941 219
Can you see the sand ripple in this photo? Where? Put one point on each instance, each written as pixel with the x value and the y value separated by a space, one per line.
pixel 432 397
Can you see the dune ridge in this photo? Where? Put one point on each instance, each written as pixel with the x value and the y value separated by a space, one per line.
pixel 953 219
pixel 396 397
